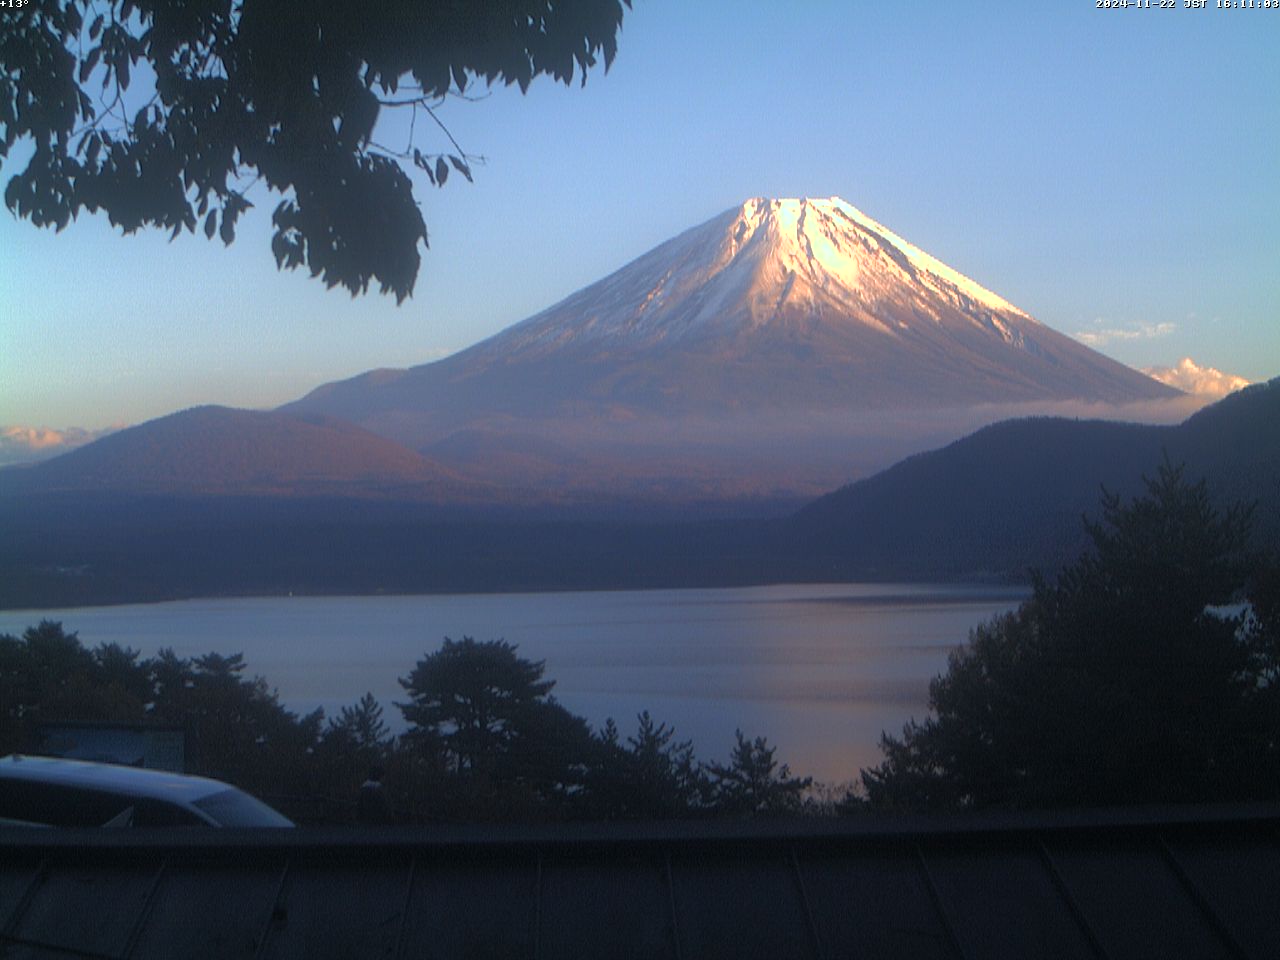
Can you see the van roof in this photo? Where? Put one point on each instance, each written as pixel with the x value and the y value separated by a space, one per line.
pixel 131 781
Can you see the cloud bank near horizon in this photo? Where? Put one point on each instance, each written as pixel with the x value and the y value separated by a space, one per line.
pixel 1189 377
pixel 22 444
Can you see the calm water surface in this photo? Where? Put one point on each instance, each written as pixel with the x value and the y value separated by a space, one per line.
pixel 820 670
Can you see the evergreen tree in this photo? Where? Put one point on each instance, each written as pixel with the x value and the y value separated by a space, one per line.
pixel 753 783
pixel 47 674
pixel 237 729
pixel 361 726
pixel 512 751
pixel 472 696
pixel 1126 680
pixel 653 777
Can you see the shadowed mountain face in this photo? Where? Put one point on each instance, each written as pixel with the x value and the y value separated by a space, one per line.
pixel 1008 498
pixel 1011 496
pixel 214 450
pixel 742 330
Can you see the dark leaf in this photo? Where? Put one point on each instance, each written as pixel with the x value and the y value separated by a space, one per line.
pixel 231 105
pixel 461 166
pixel 89 63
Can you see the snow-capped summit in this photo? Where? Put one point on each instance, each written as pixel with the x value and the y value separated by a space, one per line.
pixel 768 263
pixel 790 309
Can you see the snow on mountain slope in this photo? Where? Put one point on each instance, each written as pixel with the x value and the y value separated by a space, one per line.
pixel 810 289
pixel 755 266
pixel 777 311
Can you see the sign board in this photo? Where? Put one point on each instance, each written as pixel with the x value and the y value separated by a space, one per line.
pixel 133 745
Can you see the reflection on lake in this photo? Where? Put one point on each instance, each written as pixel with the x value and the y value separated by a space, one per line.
pixel 820 670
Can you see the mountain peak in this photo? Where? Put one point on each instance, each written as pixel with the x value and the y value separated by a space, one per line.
pixel 769 267
pixel 800 310
pixel 832 240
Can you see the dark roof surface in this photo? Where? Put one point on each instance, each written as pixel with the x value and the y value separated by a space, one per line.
pixel 1197 882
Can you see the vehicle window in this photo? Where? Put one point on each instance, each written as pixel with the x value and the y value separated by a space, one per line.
pixel 231 808
pixel 59 805
pixel 160 813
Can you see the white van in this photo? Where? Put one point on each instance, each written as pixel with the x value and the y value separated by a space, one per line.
pixel 55 792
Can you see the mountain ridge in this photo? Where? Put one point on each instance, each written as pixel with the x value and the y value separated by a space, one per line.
pixel 1011 496
pixel 216 450
pixel 780 309
pixel 989 507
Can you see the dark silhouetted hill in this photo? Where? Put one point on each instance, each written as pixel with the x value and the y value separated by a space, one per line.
pixel 1011 496
pixel 1004 500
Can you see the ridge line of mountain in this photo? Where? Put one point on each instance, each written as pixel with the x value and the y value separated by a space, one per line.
pixel 991 506
pixel 723 343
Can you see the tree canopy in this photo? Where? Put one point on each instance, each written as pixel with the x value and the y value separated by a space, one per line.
pixel 485 716
pixel 486 741
pixel 474 697
pixel 236 728
pixel 651 776
pixel 1136 676
pixel 164 114
pixel 753 783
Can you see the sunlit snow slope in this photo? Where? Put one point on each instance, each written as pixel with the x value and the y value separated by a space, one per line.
pixel 778 310
pixel 770 266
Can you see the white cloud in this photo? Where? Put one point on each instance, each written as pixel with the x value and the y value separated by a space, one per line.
pixel 1101 335
pixel 19 444
pixel 1192 378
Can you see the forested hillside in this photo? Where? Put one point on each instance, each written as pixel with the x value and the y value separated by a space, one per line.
pixel 993 506
pixel 1011 496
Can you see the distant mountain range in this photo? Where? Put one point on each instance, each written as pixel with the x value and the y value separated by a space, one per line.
pixel 658 428
pixel 759 360
pixel 991 506
pixel 781 347
pixel 218 450
pixel 24 444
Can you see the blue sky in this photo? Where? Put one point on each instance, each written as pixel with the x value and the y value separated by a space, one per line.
pixel 1112 172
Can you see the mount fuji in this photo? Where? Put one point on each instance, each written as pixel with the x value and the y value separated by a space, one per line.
pixel 782 347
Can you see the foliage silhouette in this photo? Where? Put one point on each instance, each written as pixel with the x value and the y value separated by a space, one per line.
pixel 473 697
pixel 652 777
pixel 163 114
pixel 480 712
pixel 753 783
pixel 362 726
pixel 47 674
pixel 486 740
pixel 237 729
pixel 1124 681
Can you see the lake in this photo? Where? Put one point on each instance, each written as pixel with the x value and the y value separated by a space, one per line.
pixel 819 669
